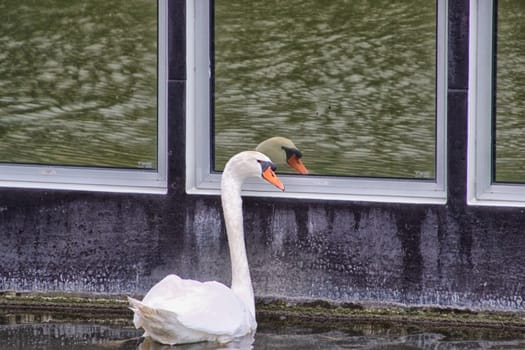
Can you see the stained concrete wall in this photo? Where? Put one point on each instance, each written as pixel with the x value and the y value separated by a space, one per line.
pixel 447 255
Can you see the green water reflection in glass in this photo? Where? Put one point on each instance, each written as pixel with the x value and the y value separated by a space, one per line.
pixel 78 83
pixel 510 92
pixel 353 83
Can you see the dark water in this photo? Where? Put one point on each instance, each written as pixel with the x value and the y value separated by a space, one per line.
pixel 46 332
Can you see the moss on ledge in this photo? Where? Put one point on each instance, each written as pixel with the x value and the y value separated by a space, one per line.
pixel 435 318
pixel 115 307
pixel 66 305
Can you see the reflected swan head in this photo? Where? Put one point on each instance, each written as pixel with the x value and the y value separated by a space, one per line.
pixel 283 151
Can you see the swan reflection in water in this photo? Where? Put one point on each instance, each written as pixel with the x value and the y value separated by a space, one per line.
pixel 243 343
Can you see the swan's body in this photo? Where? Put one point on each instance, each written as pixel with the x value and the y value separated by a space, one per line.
pixel 177 310
pixel 282 151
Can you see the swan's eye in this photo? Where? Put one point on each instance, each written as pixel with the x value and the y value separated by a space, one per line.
pixel 266 164
pixel 290 152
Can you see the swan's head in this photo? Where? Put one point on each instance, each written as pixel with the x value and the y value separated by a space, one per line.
pixel 252 164
pixel 283 151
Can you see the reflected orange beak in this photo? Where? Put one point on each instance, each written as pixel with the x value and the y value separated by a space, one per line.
pixel 297 164
pixel 269 175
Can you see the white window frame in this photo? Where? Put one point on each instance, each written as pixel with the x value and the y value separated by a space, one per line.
pixel 106 179
pixel 480 188
pixel 200 179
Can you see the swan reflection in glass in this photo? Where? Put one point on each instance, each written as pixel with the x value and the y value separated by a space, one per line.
pixel 283 152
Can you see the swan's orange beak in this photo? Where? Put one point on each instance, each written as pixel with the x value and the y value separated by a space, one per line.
pixel 269 175
pixel 296 163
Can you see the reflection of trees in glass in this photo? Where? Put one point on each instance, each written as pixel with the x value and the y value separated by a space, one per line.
pixel 510 92
pixel 78 82
pixel 351 82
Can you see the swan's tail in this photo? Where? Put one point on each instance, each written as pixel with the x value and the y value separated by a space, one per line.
pixel 141 312
pixel 136 305
pixel 145 313
pixel 162 325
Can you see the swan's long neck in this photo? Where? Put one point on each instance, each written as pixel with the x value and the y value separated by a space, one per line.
pixel 232 208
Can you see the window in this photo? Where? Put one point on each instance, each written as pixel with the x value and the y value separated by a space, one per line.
pixel 359 87
pixel 83 95
pixel 496 165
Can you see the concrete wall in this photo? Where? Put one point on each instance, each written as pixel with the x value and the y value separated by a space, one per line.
pixel 448 255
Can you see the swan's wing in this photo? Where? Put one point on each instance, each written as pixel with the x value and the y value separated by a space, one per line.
pixel 208 307
pixel 214 308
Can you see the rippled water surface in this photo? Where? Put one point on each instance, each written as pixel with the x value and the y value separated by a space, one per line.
pixel 45 332
pixel 510 92
pixel 78 82
pixel 351 82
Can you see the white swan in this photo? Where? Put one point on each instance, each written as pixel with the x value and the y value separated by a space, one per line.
pixel 177 310
pixel 282 151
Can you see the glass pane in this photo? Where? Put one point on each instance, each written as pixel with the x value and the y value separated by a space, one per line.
pixel 352 83
pixel 510 92
pixel 78 82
